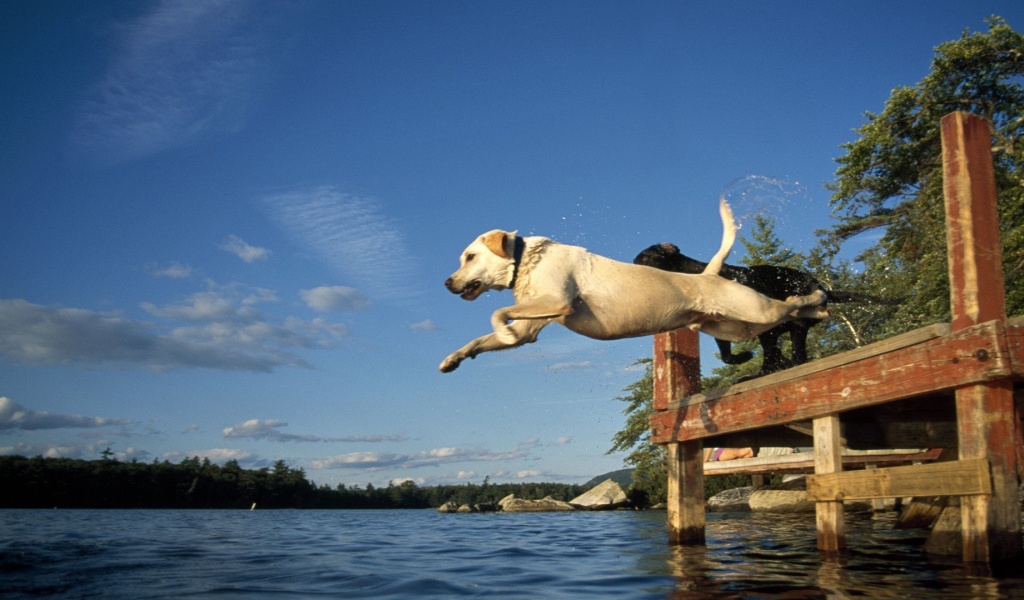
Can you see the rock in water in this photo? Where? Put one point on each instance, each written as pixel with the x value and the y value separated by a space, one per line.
pixel 734 500
pixel 548 504
pixel 448 507
pixel 604 496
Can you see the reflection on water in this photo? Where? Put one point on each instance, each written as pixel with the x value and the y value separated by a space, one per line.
pixel 422 554
pixel 760 555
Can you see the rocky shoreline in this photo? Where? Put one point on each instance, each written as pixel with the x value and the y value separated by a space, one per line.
pixel 605 496
pixel 786 497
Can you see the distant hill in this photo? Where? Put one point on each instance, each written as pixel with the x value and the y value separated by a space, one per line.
pixel 623 477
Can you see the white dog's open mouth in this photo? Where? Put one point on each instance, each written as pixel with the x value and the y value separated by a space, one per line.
pixel 472 290
pixel 468 292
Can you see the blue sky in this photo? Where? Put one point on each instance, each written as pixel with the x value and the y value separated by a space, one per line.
pixel 224 225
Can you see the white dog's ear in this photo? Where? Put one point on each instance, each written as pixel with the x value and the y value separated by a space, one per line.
pixel 497 242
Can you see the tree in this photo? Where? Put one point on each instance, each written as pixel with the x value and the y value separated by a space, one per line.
pixel 647 458
pixel 891 177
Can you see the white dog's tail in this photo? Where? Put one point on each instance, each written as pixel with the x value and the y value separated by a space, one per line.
pixel 728 237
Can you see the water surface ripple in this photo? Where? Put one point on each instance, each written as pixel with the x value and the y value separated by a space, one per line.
pixel 422 554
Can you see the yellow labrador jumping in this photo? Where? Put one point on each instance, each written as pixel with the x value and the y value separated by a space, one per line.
pixel 606 299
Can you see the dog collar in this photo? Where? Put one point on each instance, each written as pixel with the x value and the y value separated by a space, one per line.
pixel 517 257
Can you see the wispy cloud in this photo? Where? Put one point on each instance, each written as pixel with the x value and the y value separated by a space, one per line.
pixel 16 416
pixel 173 270
pixel 426 326
pixel 270 429
pixel 243 250
pixel 220 456
pixel 571 366
pixel 334 298
pixel 373 461
pixel 222 330
pixel 352 234
pixel 83 451
pixel 180 73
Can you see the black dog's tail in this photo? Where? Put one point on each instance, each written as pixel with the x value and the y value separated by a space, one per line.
pixel 840 297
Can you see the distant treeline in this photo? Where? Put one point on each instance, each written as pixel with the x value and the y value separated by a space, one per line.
pixel 197 483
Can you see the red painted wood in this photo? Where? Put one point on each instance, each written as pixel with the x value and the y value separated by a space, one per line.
pixel 985 411
pixel 974 355
pixel 972 221
pixel 676 366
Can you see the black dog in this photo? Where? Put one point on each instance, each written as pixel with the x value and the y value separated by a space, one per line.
pixel 774 282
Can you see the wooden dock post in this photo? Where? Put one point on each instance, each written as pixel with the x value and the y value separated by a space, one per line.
pixel 677 375
pixel 828 459
pixel 986 415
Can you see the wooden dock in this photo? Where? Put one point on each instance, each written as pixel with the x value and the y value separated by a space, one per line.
pixel 950 385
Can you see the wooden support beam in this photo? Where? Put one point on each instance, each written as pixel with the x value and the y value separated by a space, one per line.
pixel 803 462
pixel 828 460
pixel 974 355
pixel 986 416
pixel 676 367
pixel 676 372
pixel 952 478
pixel 685 502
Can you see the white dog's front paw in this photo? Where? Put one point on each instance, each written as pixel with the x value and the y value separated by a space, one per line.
pixel 506 335
pixel 451 363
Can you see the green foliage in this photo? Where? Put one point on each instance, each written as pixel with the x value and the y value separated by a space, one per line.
pixel 646 458
pixel 68 483
pixel 891 177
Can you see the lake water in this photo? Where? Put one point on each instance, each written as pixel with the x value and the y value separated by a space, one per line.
pixel 137 554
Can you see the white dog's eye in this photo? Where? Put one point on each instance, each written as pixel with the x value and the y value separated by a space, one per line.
pixel 470 257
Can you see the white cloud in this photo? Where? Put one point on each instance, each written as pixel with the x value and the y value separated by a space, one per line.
pixel 243 250
pixel 571 366
pixel 462 475
pixel 265 430
pixel 270 429
pixel 16 416
pixel 373 461
pixel 225 333
pixel 528 474
pixel 173 271
pixel 426 326
pixel 334 298
pixel 202 306
pixel 358 460
pixel 183 72
pixel 217 455
pixel 565 439
pixel 352 234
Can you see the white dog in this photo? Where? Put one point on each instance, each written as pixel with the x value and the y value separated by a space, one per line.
pixel 606 299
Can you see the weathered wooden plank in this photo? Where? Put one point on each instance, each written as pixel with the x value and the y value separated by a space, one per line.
pixel 910 338
pixel 952 478
pixel 676 367
pixel 676 372
pixel 828 459
pixel 976 354
pixel 803 462
pixel 685 501
pixel 986 418
pixel 972 222
pixel 1015 344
